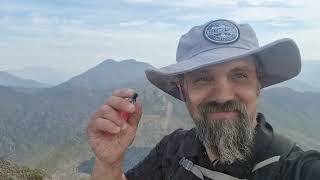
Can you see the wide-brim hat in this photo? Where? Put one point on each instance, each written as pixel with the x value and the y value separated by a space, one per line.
pixel 221 41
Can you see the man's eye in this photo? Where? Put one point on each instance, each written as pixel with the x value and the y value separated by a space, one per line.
pixel 240 76
pixel 200 79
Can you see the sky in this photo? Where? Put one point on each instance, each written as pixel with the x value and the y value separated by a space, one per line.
pixel 75 35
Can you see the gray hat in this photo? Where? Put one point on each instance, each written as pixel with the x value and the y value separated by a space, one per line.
pixel 222 41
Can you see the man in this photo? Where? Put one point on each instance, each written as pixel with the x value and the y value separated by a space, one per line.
pixel 219 72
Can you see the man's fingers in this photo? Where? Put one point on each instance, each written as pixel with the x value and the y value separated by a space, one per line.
pixel 114 106
pixel 121 104
pixel 111 114
pixel 105 125
pixel 124 93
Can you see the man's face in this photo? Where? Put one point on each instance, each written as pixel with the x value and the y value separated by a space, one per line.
pixel 222 101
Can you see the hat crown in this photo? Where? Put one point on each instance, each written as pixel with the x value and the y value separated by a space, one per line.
pixel 216 34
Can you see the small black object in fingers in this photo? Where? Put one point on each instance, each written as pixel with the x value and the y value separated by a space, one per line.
pixel 133 99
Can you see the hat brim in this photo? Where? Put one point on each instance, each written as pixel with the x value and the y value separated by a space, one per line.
pixel 280 61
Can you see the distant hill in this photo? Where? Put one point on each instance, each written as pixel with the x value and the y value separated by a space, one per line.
pixel 59 112
pixel 110 73
pixel 10 80
pixel 294 114
pixel 41 129
pixel 44 75
pixel 297 85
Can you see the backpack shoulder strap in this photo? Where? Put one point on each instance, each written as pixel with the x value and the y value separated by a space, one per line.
pixel 280 146
pixel 202 172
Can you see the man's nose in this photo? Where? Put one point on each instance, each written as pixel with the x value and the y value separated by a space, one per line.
pixel 222 91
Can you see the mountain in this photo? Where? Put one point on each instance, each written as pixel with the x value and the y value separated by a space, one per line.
pixel 10 80
pixel 51 122
pixel 42 74
pixel 59 112
pixel 297 85
pixel 110 73
pixel 294 114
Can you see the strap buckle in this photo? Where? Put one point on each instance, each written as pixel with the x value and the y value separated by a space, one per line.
pixel 185 163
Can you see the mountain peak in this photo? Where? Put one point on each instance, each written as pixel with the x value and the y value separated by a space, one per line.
pixel 126 63
pixel 111 61
pixel 110 73
pixel 128 60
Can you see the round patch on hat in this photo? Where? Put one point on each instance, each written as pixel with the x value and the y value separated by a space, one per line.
pixel 221 32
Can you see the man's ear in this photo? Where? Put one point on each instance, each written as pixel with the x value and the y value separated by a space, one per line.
pixel 181 92
pixel 258 88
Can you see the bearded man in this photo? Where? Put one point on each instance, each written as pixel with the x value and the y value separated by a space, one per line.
pixel 219 72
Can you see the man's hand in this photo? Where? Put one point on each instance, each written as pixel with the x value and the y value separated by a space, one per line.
pixel 110 135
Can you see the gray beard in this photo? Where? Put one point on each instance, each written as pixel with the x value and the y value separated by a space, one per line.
pixel 229 140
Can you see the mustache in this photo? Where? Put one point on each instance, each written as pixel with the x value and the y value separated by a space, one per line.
pixel 214 106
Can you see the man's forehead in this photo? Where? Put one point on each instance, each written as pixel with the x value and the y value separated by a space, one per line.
pixel 245 64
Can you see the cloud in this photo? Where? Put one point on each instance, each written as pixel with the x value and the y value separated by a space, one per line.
pixel 305 39
pixel 270 3
pixel 54 42
pixel 275 15
pixel 58 34
pixel 274 12
pixel 133 23
pixel 185 3
pixel 139 1
pixel 188 17
pixel 216 3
